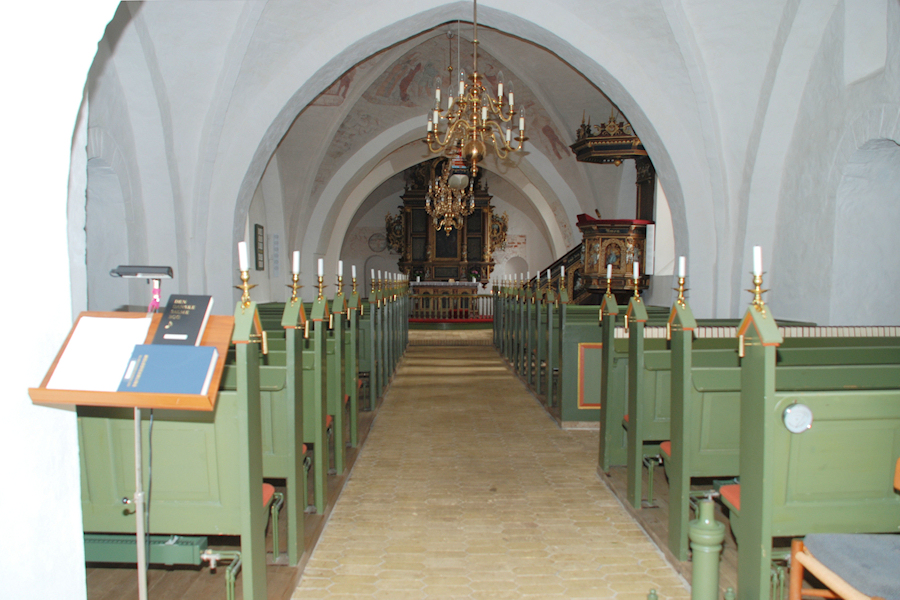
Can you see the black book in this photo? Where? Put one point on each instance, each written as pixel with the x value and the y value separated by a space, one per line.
pixel 184 320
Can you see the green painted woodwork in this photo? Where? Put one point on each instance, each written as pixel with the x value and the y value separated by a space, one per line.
pixel 578 325
pixel 635 317
pixel 682 323
pixel 351 369
pixel 551 350
pixel 207 466
pixel 335 382
pixel 292 426
pixel 105 548
pixel 835 477
pixel 315 400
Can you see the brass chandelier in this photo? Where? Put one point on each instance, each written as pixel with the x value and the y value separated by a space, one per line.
pixel 446 203
pixel 473 118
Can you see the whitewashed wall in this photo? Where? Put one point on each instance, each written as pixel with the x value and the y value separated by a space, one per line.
pixel 40 507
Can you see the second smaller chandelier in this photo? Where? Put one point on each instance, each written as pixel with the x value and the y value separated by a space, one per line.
pixel 473 119
pixel 447 202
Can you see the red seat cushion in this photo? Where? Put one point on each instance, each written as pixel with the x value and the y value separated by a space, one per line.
pixel 666 448
pixel 268 491
pixel 305 449
pixel 626 418
pixel 346 398
pixel 329 421
pixel 732 493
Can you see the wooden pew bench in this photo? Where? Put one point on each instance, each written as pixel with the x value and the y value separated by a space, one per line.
pixel 833 474
pixel 707 443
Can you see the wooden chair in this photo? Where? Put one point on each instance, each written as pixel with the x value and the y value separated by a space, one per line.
pixel 838 561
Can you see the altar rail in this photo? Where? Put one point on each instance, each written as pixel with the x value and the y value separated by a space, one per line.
pixel 451 307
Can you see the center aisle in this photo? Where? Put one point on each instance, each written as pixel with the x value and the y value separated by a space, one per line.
pixel 465 488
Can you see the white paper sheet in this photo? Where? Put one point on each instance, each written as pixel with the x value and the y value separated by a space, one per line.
pixel 98 353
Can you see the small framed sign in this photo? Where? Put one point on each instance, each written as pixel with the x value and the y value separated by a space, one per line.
pixel 260 240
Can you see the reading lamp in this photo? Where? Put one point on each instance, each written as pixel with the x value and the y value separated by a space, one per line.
pixel 154 274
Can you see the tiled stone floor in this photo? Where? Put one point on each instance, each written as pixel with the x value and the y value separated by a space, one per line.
pixel 465 488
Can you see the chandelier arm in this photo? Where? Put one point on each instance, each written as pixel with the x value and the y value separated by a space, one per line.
pixel 496 107
pixel 450 134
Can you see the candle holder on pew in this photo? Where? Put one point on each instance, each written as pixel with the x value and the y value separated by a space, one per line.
pixel 261 335
pixel 758 303
pixel 295 286
pixel 245 287
pixel 757 292
pixel 681 290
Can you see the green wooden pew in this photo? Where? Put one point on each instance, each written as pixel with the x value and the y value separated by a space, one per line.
pixel 207 466
pixel 705 402
pixel 834 477
pixel 366 356
pixel 335 382
pixel 580 355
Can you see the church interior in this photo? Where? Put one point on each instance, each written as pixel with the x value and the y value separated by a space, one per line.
pixel 763 148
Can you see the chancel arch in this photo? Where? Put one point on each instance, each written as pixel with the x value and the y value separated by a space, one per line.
pixel 266 139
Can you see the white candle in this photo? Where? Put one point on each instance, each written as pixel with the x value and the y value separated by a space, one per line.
pixel 681 267
pixel 321 269
pixel 609 270
pixel 436 118
pixel 484 113
pixel 500 90
pixel 548 274
pixel 449 102
pixel 562 271
pixel 340 268
pixel 437 95
pixel 242 256
pixel 462 88
pixel 637 268
pixel 508 135
pixel 373 274
pixel 511 103
pixel 529 275
pixel 757 260
pixel 521 123
pixel 296 265
pixel 430 125
pixel 353 271
pixel 379 275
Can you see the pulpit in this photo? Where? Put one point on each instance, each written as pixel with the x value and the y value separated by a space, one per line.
pixel 618 243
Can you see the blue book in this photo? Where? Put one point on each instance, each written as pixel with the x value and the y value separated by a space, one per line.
pixel 170 369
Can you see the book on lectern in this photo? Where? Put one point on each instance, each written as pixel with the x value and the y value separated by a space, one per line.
pixel 184 320
pixel 170 369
